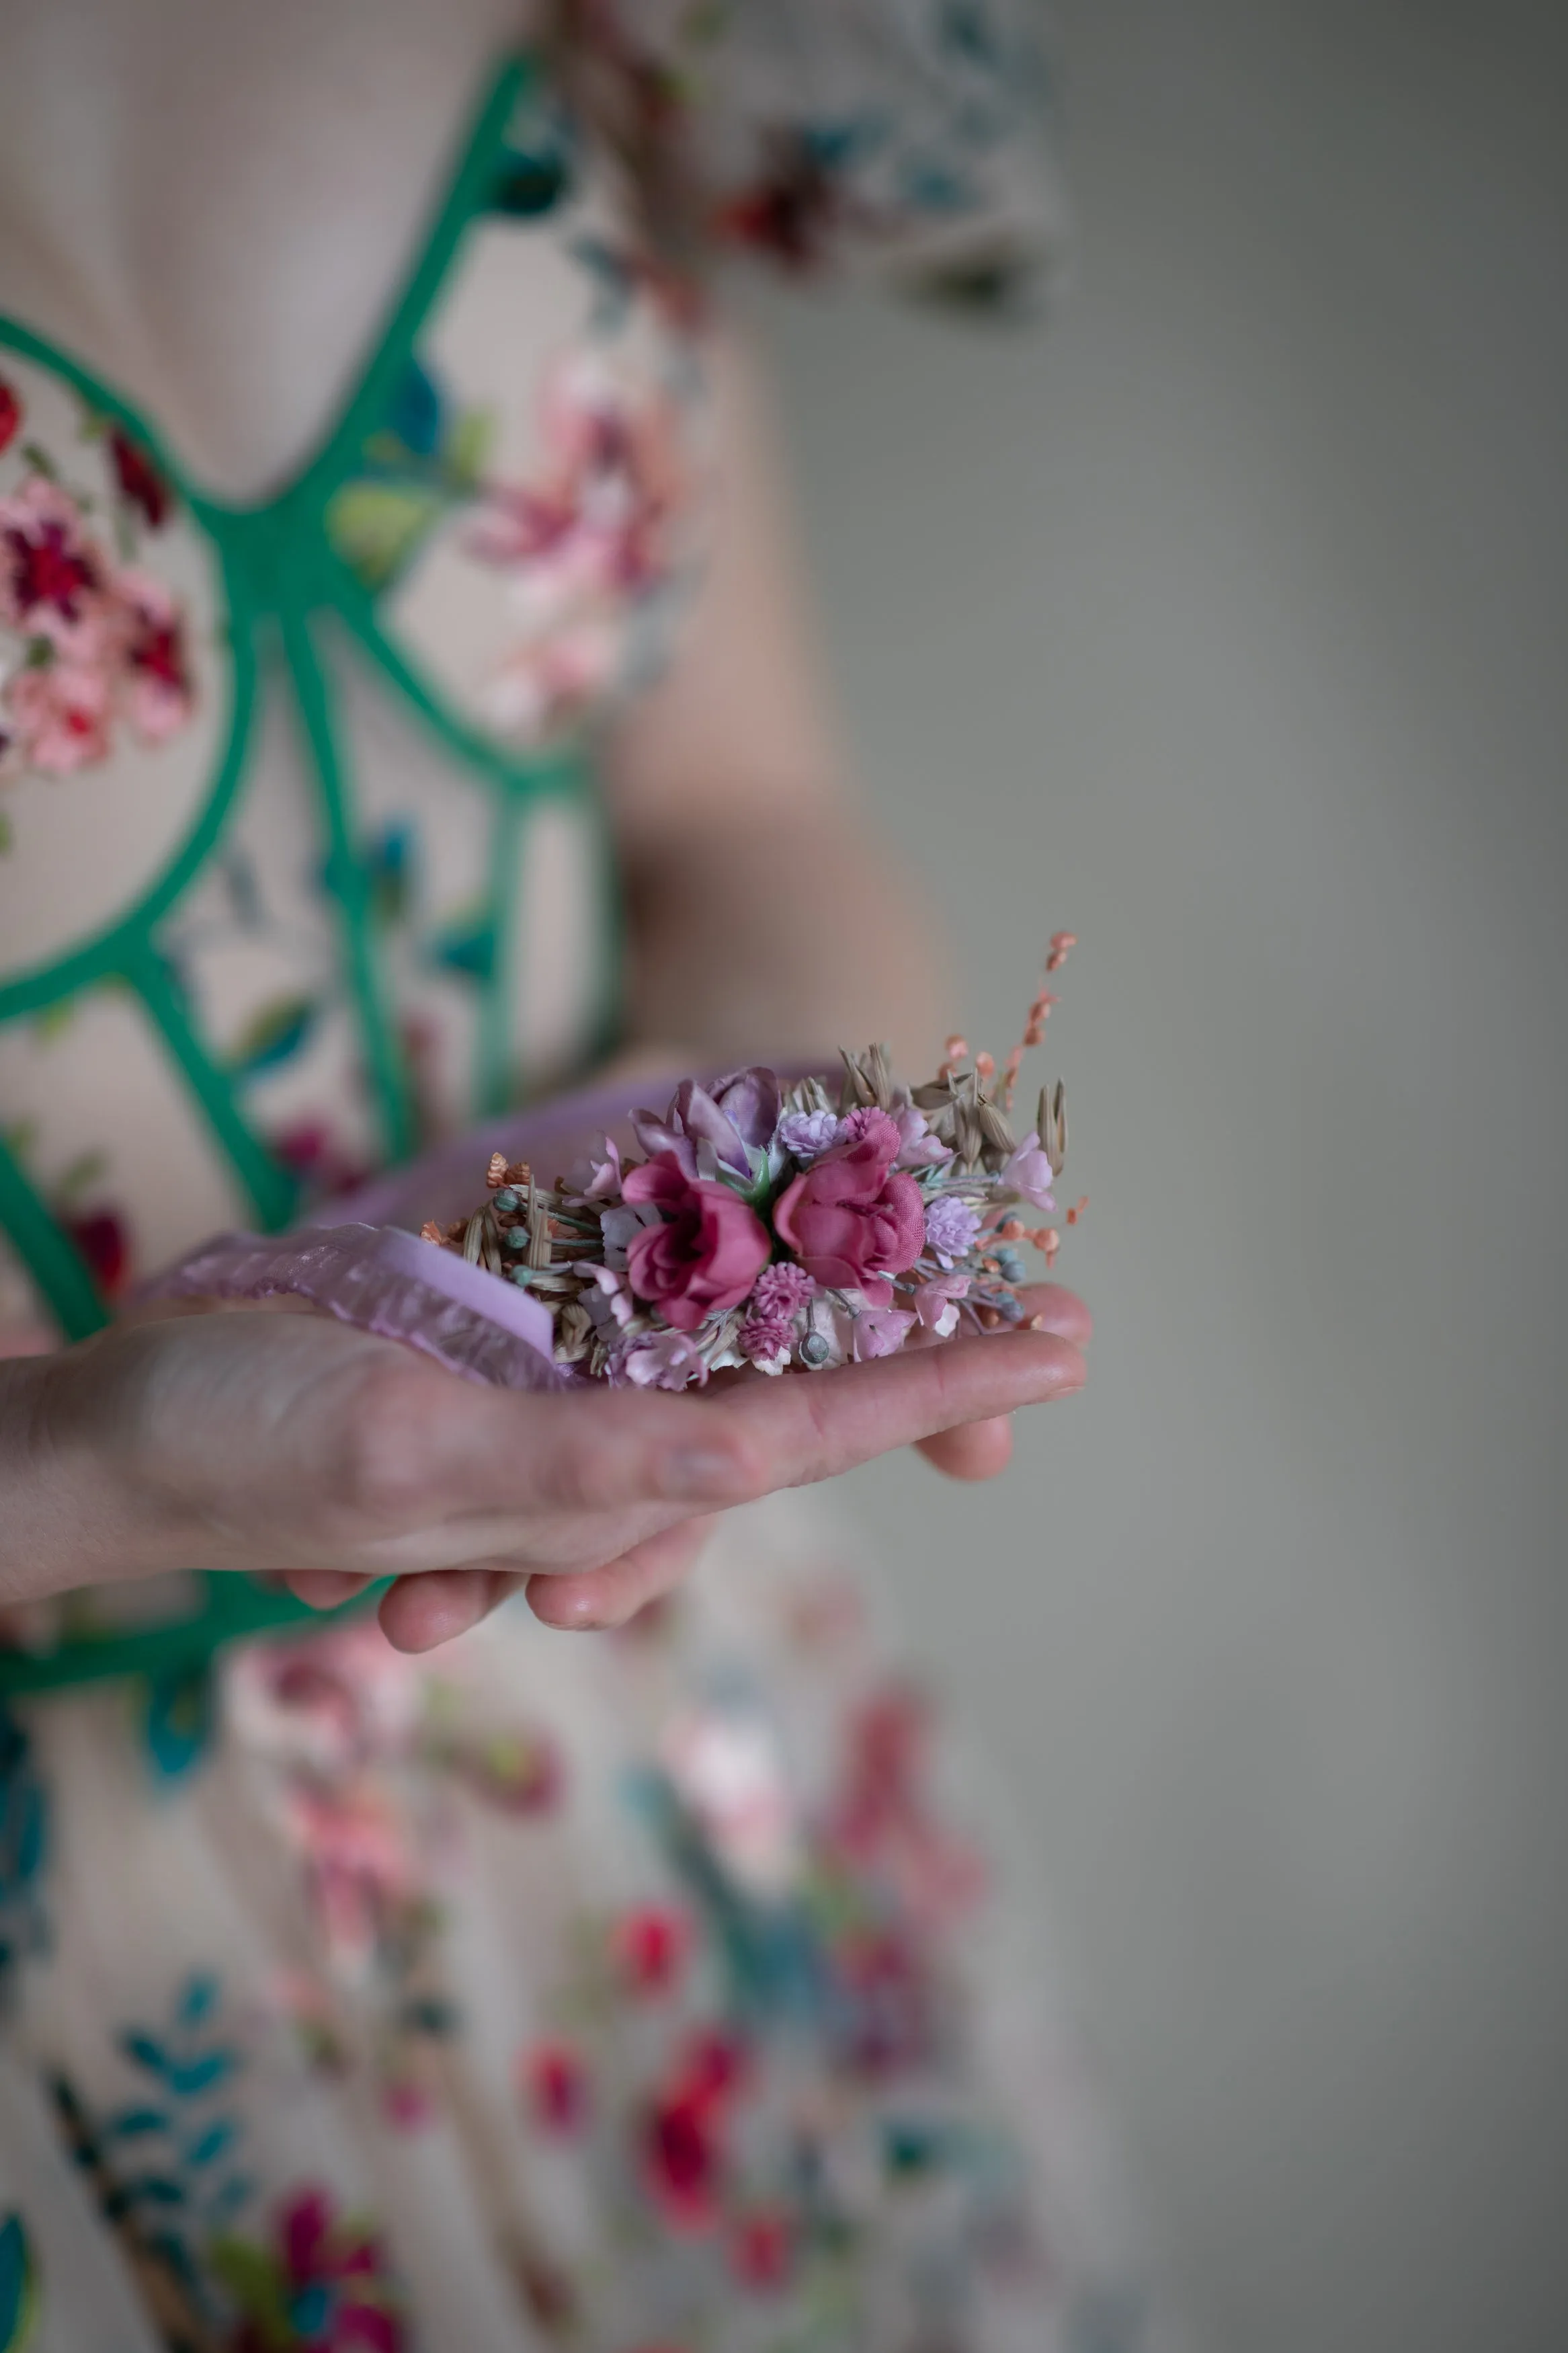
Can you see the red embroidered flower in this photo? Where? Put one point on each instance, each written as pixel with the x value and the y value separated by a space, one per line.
pixel 682 2158
pixel 52 576
pixel 157 672
pixel 101 1236
pixel 139 482
pixel 323 2287
pixel 553 2083
pixel 650 1945
pixel 763 2248
pixel 10 415
pixel 704 1255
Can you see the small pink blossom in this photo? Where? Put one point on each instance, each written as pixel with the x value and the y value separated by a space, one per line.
pixel 58 715
pixel 1028 1174
pixel 765 1341
pixel 658 1360
pixel 936 1303
pixel 880 1332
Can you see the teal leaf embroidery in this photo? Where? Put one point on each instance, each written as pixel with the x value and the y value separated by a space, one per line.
pixel 179 1722
pixel 20 2293
pixel 274 1035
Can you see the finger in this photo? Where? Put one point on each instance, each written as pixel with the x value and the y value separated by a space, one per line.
pixel 419 1613
pixel 1060 1311
pixel 811 1426
pixel 596 1599
pixel 977 1450
pixel 325 1588
pixel 432 1448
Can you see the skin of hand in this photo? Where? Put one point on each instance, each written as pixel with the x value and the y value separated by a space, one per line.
pixel 287 1443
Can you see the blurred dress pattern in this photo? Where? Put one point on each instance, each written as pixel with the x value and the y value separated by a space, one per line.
pixel 642 1994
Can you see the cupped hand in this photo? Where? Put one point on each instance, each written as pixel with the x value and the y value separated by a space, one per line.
pixel 288 1443
pixel 420 1612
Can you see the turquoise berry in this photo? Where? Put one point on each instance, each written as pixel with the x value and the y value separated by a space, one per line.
pixel 508 1200
pixel 517 1240
pixel 520 1275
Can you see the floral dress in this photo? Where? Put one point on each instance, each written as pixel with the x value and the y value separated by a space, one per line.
pixel 637 1996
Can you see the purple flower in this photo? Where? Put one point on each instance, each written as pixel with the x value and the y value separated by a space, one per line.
pixel 804 1133
pixel 743 1109
pixel 750 1100
pixel 951 1229
pixel 1028 1174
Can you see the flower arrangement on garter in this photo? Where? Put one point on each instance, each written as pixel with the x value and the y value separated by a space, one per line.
pixel 774 1225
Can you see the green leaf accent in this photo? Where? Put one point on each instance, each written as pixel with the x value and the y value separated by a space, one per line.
pixel 274 1035
pixel 253 2278
pixel 378 527
pixel 7 837
pixel 84 1170
pixel 21 2291
pixel 468 452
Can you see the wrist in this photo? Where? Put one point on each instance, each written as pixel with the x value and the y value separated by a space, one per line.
pixel 67 1518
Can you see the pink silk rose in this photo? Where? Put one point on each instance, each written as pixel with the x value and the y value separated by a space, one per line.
pixel 706 1254
pixel 852 1218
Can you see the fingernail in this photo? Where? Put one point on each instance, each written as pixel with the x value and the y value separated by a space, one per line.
pixel 698 1474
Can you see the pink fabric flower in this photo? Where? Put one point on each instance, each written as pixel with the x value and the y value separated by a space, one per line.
pixel 10 414
pixel 852 1218
pixel 706 1254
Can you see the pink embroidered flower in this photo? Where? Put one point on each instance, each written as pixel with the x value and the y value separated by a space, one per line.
pixel 57 714
pixel 324 2285
pixel 361 1872
pixel 10 414
pixel 159 692
pixel 852 1218
pixel 705 1255
pixel 595 518
pixel 53 576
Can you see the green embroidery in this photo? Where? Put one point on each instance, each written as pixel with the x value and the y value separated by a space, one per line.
pixel 21 2299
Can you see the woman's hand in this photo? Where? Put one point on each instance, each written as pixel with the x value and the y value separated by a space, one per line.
pixel 286 1442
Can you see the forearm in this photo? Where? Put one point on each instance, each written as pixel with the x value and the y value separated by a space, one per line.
pixel 781 937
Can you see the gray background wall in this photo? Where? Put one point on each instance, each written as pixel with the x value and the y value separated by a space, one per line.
pixel 1225 624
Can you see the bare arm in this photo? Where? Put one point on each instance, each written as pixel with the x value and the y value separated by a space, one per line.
pixel 767 920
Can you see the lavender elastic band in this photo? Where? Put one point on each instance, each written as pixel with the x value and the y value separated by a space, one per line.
pixel 383 1281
